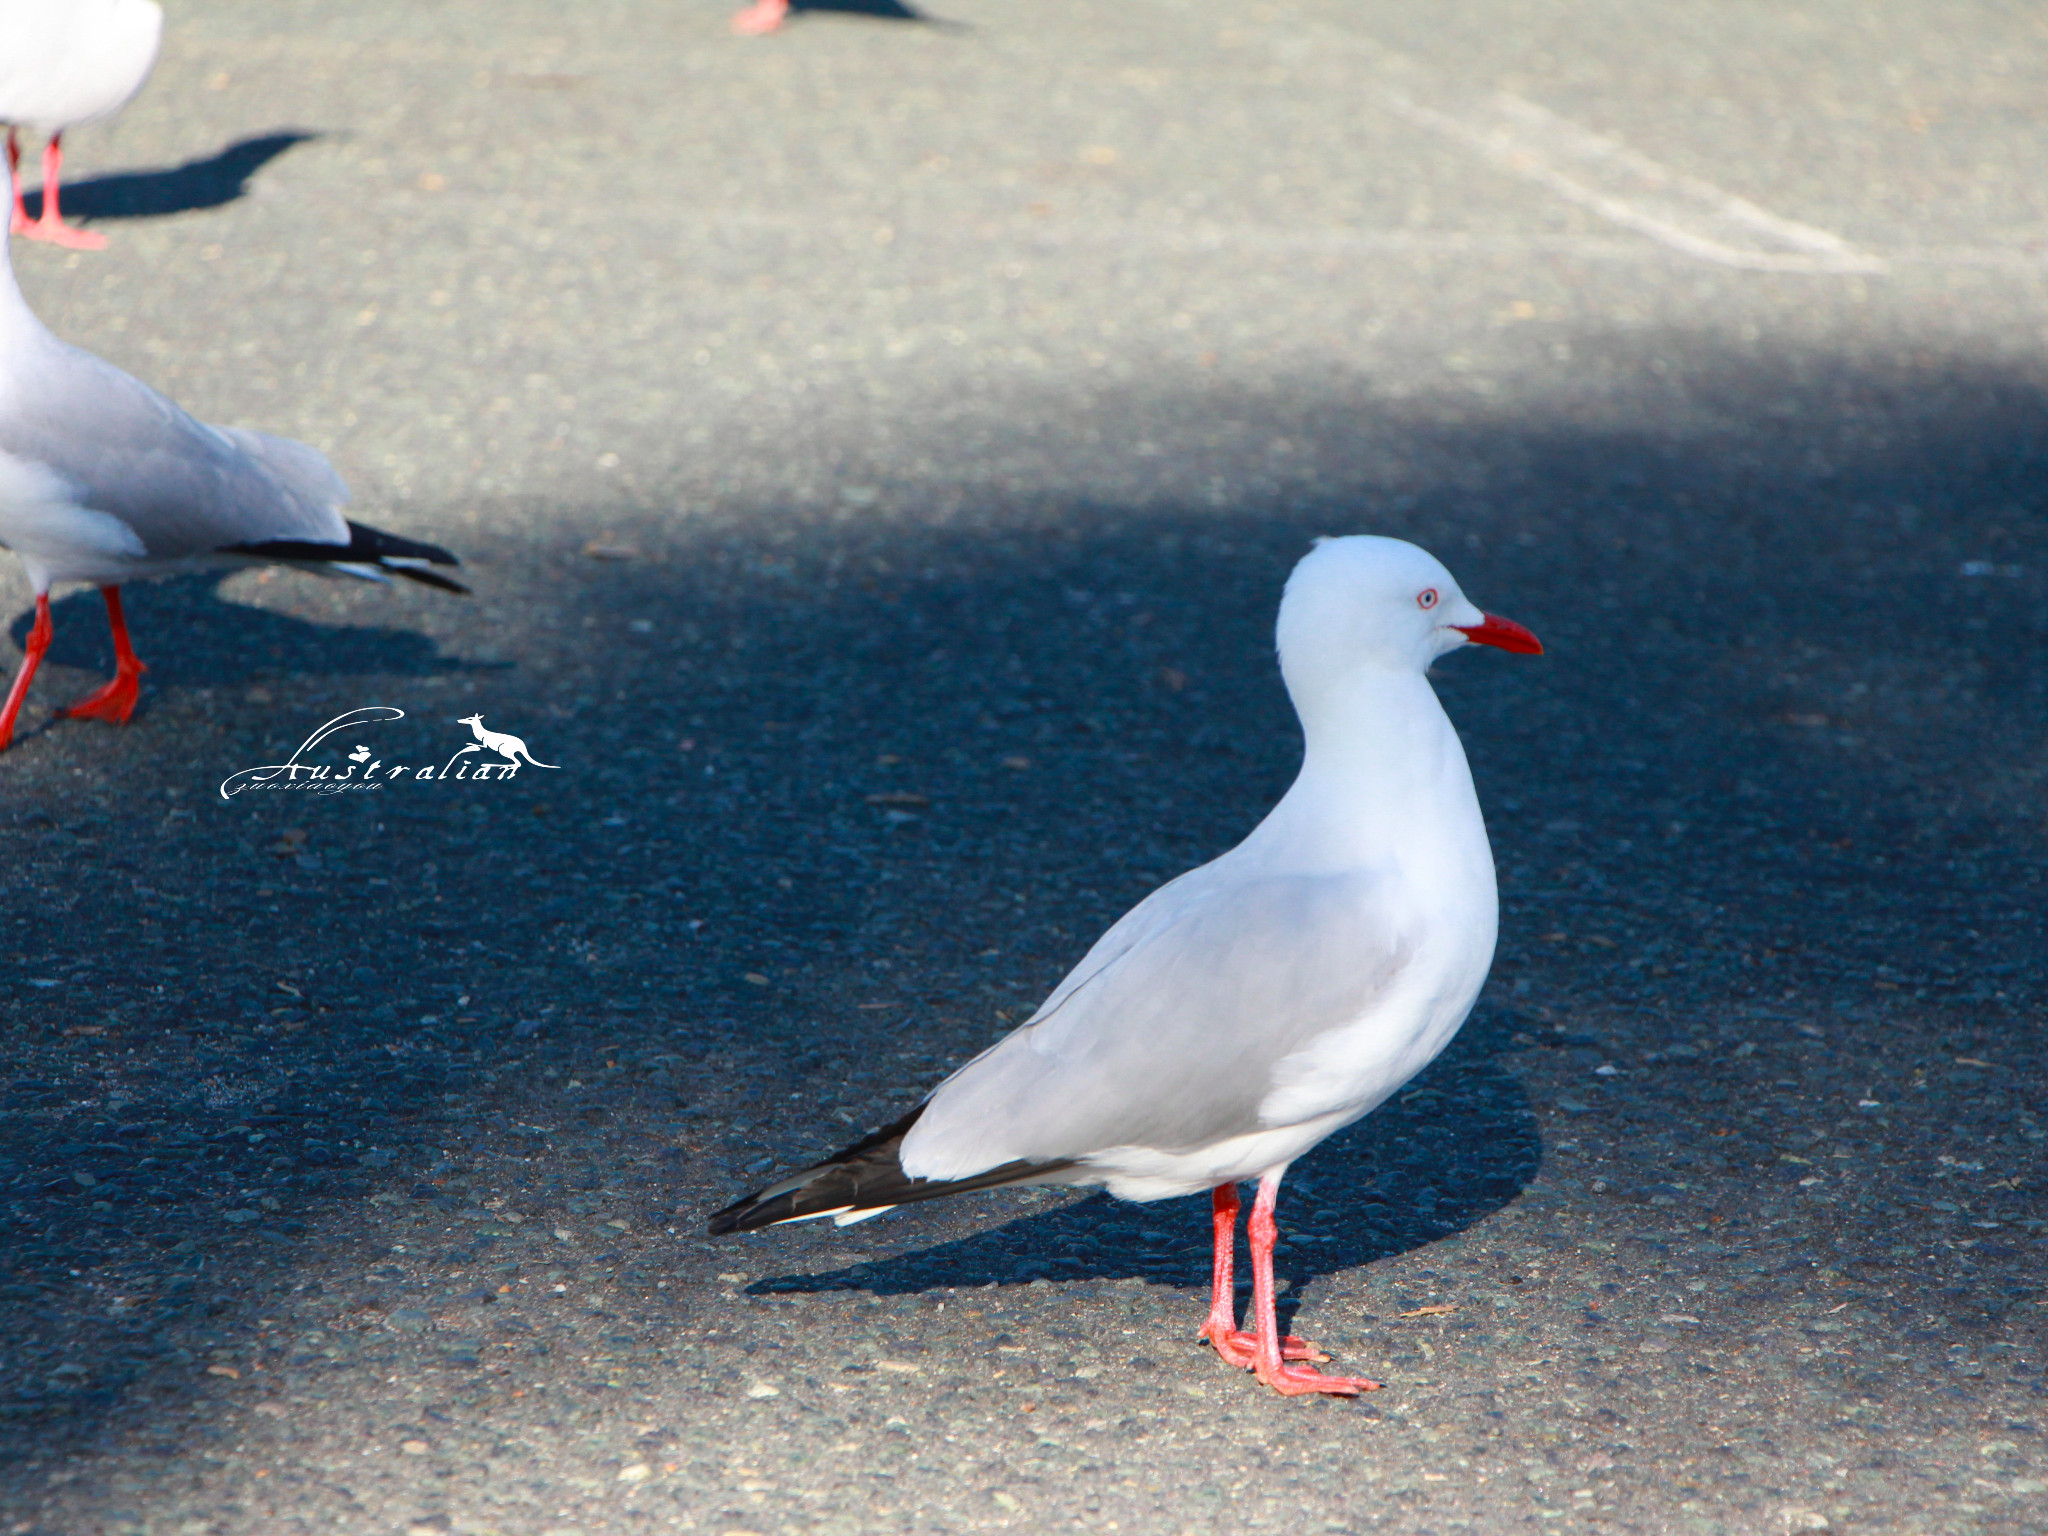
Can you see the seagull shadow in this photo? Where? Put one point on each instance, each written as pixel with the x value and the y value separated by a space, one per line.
pixel 1446 1152
pixel 210 183
pixel 873 10
pixel 191 636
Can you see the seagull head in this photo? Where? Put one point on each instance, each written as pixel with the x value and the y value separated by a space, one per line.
pixel 1366 603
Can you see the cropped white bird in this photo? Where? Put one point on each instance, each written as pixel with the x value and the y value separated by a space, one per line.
pixel 64 63
pixel 104 480
pixel 1243 1012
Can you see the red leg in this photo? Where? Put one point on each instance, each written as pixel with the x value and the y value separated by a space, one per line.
pixel 1292 1380
pixel 51 226
pixel 19 219
pixel 761 17
pixel 114 701
pixel 1221 1330
pixel 32 655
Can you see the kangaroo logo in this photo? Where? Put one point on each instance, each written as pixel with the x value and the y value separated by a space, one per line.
pixel 492 758
pixel 509 747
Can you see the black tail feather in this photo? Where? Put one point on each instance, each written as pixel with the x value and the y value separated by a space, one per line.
pixel 866 1176
pixel 366 546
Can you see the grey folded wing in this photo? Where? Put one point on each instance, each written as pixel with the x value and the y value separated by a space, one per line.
pixel 303 469
pixel 1168 1033
pixel 183 487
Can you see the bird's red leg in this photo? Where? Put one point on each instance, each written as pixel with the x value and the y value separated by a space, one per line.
pixel 760 17
pixel 1221 1330
pixel 19 219
pixel 114 701
pixel 32 654
pixel 51 226
pixel 1292 1380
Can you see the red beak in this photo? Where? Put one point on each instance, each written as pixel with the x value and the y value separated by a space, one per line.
pixel 1505 633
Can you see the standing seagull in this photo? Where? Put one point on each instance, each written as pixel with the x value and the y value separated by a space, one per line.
pixel 1240 1014
pixel 63 63
pixel 104 480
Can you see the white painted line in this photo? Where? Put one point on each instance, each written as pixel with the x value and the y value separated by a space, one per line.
pixel 1051 236
pixel 1606 177
pixel 1036 233
pixel 1630 189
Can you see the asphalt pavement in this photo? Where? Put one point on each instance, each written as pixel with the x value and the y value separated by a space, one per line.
pixel 877 449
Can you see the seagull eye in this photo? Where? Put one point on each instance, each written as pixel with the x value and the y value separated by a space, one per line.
pixel 1426 598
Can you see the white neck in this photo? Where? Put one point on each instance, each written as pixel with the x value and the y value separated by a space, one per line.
pixel 1383 782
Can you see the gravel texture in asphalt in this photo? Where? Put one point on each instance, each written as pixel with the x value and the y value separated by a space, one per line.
pixel 877 449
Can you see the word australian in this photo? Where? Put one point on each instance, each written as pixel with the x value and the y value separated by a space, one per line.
pixel 362 770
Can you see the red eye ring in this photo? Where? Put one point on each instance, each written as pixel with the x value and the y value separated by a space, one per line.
pixel 1426 598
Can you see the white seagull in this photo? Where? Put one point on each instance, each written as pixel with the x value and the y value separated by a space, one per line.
pixel 104 480
pixel 1243 1012
pixel 64 63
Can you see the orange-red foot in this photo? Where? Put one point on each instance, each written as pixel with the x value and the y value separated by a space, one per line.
pixel 1300 1380
pixel 57 232
pixel 1241 1349
pixel 760 18
pixel 113 702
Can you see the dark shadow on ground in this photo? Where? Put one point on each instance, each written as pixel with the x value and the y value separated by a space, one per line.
pixel 877 10
pixel 219 179
pixel 708 937
pixel 189 635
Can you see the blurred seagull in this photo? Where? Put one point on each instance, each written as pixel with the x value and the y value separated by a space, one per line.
pixel 104 480
pixel 63 63
pixel 1243 1012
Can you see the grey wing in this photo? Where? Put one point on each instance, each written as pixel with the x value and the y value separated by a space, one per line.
pixel 185 488
pixel 1168 1034
pixel 303 469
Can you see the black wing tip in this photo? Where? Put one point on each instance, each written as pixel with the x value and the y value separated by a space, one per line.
pixel 366 546
pixel 867 1176
pixel 872 1155
pixel 733 1218
pixel 381 545
pixel 429 579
